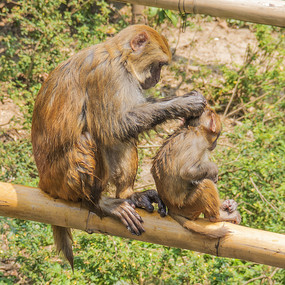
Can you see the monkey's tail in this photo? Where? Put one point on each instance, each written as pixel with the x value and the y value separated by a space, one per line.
pixel 201 229
pixel 63 242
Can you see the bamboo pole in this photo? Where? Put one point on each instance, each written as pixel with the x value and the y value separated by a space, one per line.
pixel 244 243
pixel 269 12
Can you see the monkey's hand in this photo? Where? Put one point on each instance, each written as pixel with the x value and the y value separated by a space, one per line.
pixel 145 199
pixel 195 102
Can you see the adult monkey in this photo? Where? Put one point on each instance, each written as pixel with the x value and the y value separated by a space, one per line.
pixel 87 117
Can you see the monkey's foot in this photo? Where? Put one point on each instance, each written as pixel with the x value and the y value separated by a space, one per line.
pixel 120 209
pixel 125 212
pixel 228 212
pixel 229 205
pixel 145 199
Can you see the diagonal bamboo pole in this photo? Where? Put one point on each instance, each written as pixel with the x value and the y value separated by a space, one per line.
pixel 269 12
pixel 245 243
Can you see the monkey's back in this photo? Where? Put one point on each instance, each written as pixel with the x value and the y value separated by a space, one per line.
pixel 74 118
pixel 174 153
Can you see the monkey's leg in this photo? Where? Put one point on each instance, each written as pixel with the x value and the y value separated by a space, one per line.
pixel 122 166
pixel 209 199
pixel 87 174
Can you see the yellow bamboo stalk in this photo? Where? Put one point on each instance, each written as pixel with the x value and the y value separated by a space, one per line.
pixel 269 12
pixel 244 243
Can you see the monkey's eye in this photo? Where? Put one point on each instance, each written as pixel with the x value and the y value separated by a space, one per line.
pixel 161 64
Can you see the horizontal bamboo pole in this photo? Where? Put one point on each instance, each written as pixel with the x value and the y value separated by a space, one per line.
pixel 244 243
pixel 269 12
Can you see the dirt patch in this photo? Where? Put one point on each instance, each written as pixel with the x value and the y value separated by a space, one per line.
pixel 212 44
pixel 8 111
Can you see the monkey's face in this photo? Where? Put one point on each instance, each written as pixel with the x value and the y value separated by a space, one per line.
pixel 149 52
pixel 213 146
pixel 212 126
pixel 152 75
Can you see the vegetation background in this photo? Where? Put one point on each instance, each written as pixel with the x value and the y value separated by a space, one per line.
pixel 36 35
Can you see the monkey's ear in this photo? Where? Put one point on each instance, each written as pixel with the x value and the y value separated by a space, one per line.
pixel 213 125
pixel 139 41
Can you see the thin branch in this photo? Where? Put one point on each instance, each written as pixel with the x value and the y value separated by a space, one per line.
pixel 178 39
pixel 4 124
pixel 230 162
pixel 76 10
pixel 262 197
pixel 230 171
pixel 233 95
pixel 248 211
pixel 274 272
pixel 277 102
pixel 240 108
pixel 143 186
pixel 254 279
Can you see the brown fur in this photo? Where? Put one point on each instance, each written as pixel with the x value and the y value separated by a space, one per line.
pixel 185 176
pixel 88 115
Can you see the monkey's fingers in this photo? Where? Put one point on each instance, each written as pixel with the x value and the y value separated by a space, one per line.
pixel 132 220
pixel 142 200
pixel 154 198
pixel 196 102
pixel 234 217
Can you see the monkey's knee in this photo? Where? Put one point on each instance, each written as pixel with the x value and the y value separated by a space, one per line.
pixel 209 199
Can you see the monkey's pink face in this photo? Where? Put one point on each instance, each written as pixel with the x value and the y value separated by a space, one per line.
pixel 153 75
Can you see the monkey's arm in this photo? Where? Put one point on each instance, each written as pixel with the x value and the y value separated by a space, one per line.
pixel 147 115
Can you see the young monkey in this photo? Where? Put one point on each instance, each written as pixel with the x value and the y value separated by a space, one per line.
pixel 185 177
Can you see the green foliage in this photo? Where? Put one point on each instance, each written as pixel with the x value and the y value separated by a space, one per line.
pixel 159 16
pixel 40 34
pixel 254 173
pixel 35 36
pixel 17 163
pixel 262 76
pixel 101 259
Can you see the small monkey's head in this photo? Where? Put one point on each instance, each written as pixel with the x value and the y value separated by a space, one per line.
pixel 211 125
pixel 149 51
